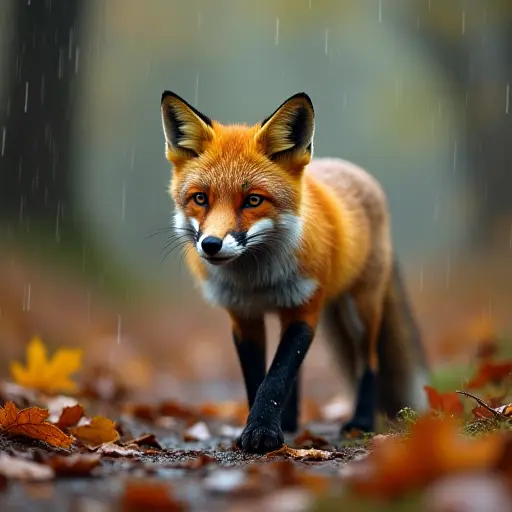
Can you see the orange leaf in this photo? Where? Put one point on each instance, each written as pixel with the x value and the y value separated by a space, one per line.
pixel 31 422
pixel 302 454
pixel 448 403
pixel 70 416
pixel 49 375
pixel 490 373
pixel 149 496
pixel 74 465
pixel 434 448
pixel 99 431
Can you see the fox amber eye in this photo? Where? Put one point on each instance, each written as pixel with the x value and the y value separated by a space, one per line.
pixel 200 199
pixel 252 201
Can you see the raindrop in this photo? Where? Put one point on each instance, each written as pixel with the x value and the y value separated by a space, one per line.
pixel 70 44
pixel 507 98
pixel 41 92
pixel 77 58
pixel 61 63
pixel 119 329
pixel 463 28
pixel 380 11
pixel 89 306
pixel 277 30
pixel 26 96
pixel 455 152
pixel 421 278
pixel 309 4
pixel 4 133
pixel 326 41
pixel 21 209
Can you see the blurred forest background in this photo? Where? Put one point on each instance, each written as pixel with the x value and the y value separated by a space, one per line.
pixel 416 91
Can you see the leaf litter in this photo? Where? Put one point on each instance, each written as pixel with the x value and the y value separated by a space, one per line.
pixel 144 446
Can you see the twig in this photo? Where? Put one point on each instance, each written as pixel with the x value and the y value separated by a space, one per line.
pixel 496 413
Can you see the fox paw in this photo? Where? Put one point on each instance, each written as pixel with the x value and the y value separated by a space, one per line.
pixel 258 438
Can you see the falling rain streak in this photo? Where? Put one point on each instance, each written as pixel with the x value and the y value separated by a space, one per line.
pixel 277 31
pixel 4 134
pixel 507 98
pixel 326 49
pixel 119 319
pixel 26 97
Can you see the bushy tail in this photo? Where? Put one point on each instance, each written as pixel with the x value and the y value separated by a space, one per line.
pixel 403 369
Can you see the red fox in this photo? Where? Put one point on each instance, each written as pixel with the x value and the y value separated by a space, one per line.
pixel 273 231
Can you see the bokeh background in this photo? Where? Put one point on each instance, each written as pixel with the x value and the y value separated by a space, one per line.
pixel 416 91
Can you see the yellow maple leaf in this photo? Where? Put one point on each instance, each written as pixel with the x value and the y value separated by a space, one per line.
pixel 45 374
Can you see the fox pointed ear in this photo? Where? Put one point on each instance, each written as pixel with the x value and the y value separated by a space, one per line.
pixel 186 129
pixel 287 135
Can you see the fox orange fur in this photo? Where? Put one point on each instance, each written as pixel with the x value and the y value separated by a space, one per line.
pixel 277 232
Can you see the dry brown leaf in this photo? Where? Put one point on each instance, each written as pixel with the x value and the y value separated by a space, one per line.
pixel 114 450
pixel 232 411
pixel 307 438
pixel 197 463
pixel 434 448
pixel 99 431
pixel 22 469
pixel 49 375
pixel 448 403
pixel 74 465
pixel 301 454
pixel 145 440
pixel 177 410
pixel 31 422
pixel 70 416
pixel 155 496
pixel 490 373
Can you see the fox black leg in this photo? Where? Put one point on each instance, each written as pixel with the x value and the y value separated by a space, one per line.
pixel 250 342
pixel 369 306
pixel 363 419
pixel 263 430
pixel 291 412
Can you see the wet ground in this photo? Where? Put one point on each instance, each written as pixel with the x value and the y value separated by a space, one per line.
pixel 208 475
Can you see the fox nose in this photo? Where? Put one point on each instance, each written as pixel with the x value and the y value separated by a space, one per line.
pixel 211 245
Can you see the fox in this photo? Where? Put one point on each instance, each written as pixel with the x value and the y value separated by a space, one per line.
pixel 273 231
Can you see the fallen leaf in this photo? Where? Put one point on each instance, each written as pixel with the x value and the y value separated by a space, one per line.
pixel 31 422
pixel 197 463
pixel 232 411
pixel 176 410
pixel 145 440
pixel 301 454
pixel 448 403
pixel 56 404
pixel 434 448
pixel 70 416
pixel 307 438
pixel 114 450
pixel 141 411
pixel 77 465
pixel 99 431
pixel 22 469
pixel 490 373
pixel 49 375
pixel 198 432
pixel 149 495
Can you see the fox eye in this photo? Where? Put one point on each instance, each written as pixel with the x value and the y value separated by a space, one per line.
pixel 200 199
pixel 252 201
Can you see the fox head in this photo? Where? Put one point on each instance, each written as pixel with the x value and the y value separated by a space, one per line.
pixel 237 189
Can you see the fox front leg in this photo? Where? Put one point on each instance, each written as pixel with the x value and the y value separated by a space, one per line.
pixel 250 343
pixel 263 430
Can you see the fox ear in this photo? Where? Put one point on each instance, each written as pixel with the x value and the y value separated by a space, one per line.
pixel 186 129
pixel 287 135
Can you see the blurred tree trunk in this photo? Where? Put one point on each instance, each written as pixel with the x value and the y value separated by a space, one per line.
pixel 38 109
pixel 472 43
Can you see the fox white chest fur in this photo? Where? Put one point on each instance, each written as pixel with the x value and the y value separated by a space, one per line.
pixel 266 277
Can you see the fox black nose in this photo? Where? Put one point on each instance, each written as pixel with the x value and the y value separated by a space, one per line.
pixel 211 245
